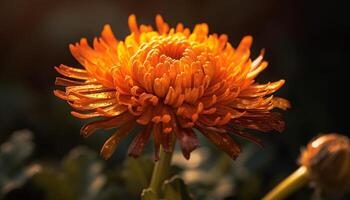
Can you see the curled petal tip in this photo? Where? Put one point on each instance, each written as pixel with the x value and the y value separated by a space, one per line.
pixel 247 39
pixel 107 30
pixel 107 26
pixel 262 52
pixel 159 18
pixel 105 154
pixel 133 24
pixel 71 47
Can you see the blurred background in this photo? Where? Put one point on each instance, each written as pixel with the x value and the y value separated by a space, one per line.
pixel 306 43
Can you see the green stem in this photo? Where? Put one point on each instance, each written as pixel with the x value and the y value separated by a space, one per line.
pixel 289 185
pixel 160 171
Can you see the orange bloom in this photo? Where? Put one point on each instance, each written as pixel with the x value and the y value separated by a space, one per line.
pixel 170 82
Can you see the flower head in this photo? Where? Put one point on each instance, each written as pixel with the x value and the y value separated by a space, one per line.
pixel 170 82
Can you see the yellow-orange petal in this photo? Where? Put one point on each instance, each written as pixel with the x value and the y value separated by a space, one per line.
pixel 111 144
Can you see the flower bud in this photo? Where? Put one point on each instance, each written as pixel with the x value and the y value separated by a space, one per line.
pixel 327 159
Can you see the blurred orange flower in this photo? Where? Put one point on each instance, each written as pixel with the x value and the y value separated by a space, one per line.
pixel 170 82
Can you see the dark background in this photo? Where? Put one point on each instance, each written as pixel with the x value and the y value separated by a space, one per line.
pixel 306 43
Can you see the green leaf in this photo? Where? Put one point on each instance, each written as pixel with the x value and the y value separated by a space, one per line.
pixel 149 194
pixel 176 189
pixel 137 174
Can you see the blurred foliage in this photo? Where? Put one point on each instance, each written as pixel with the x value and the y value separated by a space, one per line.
pixel 173 189
pixel 176 189
pixel 148 194
pixel 137 174
pixel 14 167
pixel 83 175
pixel 78 177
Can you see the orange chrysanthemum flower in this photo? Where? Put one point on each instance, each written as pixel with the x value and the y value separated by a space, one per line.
pixel 170 82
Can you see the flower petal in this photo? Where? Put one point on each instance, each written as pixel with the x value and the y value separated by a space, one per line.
pixel 188 141
pixel 223 141
pixel 108 123
pixel 111 144
pixel 246 135
pixel 264 122
pixel 137 145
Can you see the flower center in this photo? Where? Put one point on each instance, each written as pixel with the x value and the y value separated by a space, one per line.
pixel 172 47
pixel 172 50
